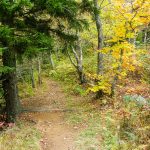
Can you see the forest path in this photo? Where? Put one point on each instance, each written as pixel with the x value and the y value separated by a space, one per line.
pixel 58 135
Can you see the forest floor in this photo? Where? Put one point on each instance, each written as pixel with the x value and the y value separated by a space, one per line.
pixel 47 110
pixel 60 117
pixel 69 121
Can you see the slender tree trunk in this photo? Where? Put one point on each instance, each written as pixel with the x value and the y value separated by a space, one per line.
pixel 51 60
pixel 78 54
pixel 115 79
pixel 39 71
pixel 57 54
pixel 81 76
pixel 100 43
pixel 80 62
pixel 9 85
pixel 19 73
pixel 145 38
pixel 100 38
pixel 32 75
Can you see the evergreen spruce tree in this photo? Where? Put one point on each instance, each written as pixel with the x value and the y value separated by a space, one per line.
pixel 29 26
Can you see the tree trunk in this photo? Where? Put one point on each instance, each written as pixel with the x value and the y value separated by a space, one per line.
pixel 113 85
pixel 81 75
pixel 78 54
pixel 9 85
pixel 32 75
pixel 57 54
pixel 51 60
pixel 115 79
pixel 80 62
pixel 145 37
pixel 39 71
pixel 100 43
pixel 19 72
pixel 100 38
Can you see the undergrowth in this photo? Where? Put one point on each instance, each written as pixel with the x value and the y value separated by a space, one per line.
pixel 119 124
pixel 65 74
pixel 124 126
pixel 20 137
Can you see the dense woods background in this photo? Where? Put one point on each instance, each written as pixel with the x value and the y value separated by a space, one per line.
pixel 98 49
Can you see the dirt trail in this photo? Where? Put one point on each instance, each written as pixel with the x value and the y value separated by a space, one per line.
pixel 58 135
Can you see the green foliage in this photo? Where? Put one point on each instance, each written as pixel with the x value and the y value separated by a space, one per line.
pixel 5 33
pixel 138 99
pixel 25 90
pixel 134 127
pixel 28 25
pixel 79 90
pixel 6 69
pixel 65 73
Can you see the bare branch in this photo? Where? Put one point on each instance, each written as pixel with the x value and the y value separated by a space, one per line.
pixel 71 60
pixel 75 53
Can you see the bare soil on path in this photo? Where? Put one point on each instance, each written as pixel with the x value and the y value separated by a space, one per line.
pixel 46 111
